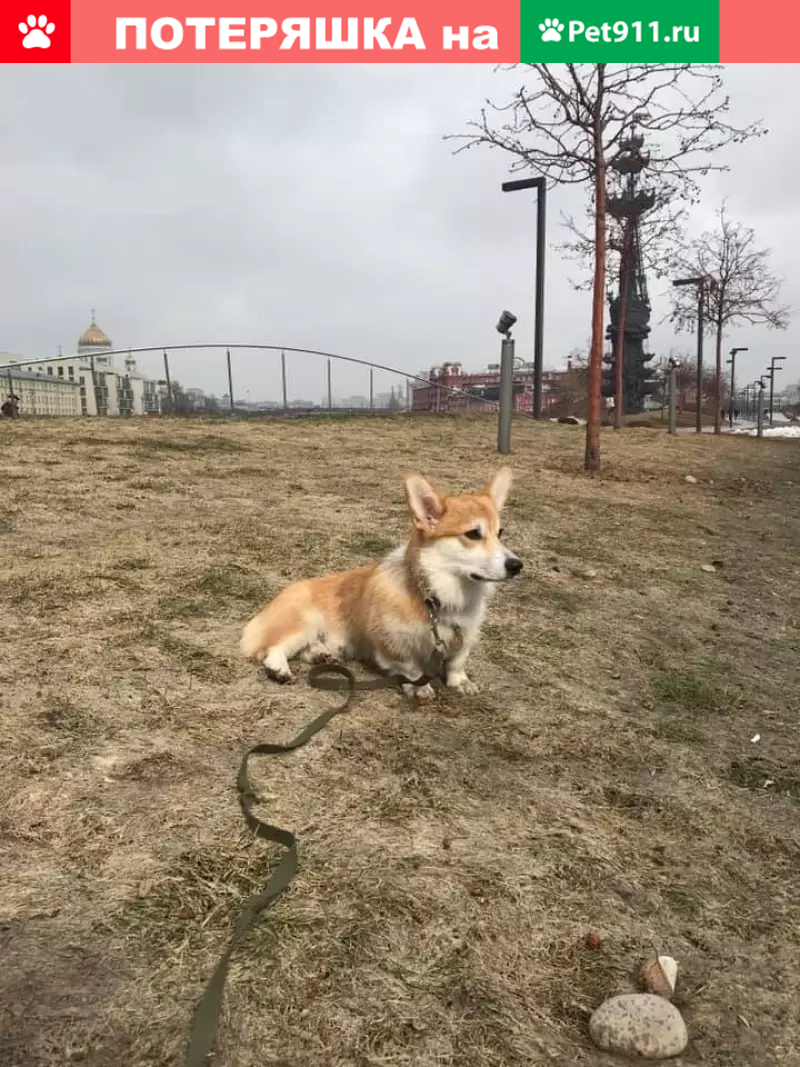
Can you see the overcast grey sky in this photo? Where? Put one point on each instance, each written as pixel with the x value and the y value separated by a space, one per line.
pixel 316 206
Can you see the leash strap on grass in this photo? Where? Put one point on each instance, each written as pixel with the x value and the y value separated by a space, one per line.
pixel 332 678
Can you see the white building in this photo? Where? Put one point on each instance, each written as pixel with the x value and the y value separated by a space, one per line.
pixel 196 399
pixel 103 389
pixel 40 394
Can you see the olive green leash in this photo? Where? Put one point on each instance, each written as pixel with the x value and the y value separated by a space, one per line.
pixel 329 677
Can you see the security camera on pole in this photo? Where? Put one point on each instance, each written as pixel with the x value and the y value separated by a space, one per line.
pixel 732 362
pixel 760 415
pixel 672 368
pixel 504 325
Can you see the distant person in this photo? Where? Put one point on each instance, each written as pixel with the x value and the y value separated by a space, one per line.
pixel 736 413
pixel 10 407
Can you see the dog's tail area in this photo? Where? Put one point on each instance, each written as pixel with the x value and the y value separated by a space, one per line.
pixel 257 636
pixel 282 625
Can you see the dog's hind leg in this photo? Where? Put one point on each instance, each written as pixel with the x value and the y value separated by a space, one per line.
pixel 325 649
pixel 276 660
pixel 279 632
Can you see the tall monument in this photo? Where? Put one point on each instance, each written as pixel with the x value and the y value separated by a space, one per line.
pixel 629 310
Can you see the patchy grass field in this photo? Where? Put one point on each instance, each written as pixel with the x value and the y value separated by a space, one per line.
pixel 453 857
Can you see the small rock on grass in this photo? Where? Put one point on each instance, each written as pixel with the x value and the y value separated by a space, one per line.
pixel 639 1024
pixel 690 478
pixel 709 568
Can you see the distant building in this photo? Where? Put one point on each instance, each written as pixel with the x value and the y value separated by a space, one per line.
pixel 475 389
pixel 40 394
pixel 102 388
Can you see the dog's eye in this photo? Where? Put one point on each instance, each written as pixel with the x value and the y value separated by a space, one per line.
pixel 474 535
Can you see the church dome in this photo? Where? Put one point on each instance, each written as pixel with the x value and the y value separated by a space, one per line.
pixel 93 337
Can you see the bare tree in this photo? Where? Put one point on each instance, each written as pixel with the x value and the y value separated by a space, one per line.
pixel 746 289
pixel 211 405
pixel 567 390
pixel 569 124
pixel 177 401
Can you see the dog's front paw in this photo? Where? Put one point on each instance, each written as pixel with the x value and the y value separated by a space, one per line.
pixel 462 684
pixel 420 692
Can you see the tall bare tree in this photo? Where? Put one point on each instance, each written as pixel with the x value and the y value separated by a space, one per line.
pixel 567 392
pixel 568 122
pixel 747 291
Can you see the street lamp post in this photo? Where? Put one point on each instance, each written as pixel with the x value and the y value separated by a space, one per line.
pixel 772 369
pixel 732 362
pixel 540 185
pixel 701 283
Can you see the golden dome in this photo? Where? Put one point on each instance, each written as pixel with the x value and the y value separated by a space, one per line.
pixel 93 336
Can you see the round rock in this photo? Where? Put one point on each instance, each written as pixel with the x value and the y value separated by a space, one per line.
pixel 639 1024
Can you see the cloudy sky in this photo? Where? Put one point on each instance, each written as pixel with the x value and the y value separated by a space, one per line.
pixel 316 206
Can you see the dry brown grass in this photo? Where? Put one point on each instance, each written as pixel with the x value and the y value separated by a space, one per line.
pixel 454 857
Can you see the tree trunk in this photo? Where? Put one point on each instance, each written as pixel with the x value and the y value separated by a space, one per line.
pixel 591 461
pixel 619 341
pixel 718 382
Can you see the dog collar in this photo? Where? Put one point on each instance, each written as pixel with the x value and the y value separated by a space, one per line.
pixel 434 606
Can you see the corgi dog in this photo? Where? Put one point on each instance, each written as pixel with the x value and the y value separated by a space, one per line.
pixel 428 594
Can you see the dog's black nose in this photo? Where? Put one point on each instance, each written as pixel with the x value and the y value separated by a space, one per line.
pixel 513 565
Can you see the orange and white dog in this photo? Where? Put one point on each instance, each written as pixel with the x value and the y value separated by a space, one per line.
pixel 382 613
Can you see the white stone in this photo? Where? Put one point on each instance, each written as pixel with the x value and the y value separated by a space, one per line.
pixel 670 968
pixel 639 1024
pixel 690 478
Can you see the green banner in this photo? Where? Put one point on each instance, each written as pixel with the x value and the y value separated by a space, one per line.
pixel 619 31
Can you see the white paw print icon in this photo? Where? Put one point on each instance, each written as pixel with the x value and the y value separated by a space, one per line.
pixel 36 36
pixel 551 29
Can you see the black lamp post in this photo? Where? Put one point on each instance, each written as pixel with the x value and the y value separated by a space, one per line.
pixel 772 369
pixel 732 362
pixel 540 185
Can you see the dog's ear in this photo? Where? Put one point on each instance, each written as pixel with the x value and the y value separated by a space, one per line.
pixel 499 486
pixel 424 503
